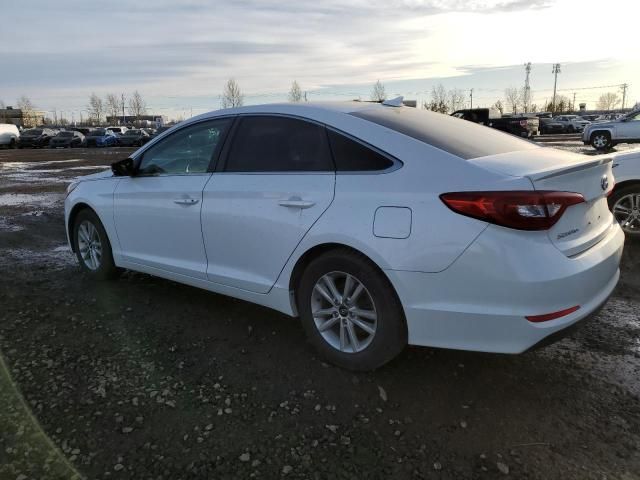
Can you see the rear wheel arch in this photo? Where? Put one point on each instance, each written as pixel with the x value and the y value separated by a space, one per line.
pixel 316 251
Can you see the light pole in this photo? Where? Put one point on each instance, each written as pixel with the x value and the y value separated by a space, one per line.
pixel 555 70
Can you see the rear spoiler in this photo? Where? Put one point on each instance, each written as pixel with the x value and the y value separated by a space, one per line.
pixel 603 160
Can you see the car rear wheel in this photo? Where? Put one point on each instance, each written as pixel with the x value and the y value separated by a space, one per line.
pixel 350 311
pixel 13 144
pixel 601 140
pixel 92 246
pixel 625 206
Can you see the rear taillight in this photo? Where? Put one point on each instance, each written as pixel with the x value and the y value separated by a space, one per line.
pixel 523 123
pixel 514 209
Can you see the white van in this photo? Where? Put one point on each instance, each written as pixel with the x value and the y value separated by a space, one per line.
pixel 9 135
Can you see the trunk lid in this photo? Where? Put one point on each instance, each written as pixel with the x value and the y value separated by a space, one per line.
pixel 582 225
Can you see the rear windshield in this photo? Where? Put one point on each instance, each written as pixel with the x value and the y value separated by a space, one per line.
pixel 458 137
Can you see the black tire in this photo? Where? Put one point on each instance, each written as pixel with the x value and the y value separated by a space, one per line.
pixel 13 144
pixel 601 140
pixel 571 129
pixel 633 230
pixel 107 268
pixel 390 336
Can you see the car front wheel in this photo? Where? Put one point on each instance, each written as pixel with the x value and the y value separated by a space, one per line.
pixel 350 311
pixel 601 140
pixel 92 246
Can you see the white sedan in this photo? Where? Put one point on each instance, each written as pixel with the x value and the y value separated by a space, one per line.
pixel 376 225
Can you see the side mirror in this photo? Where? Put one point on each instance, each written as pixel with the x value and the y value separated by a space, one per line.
pixel 123 168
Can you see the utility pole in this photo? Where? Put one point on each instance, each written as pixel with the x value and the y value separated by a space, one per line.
pixel 122 102
pixel 471 95
pixel 624 87
pixel 573 104
pixel 555 70
pixel 527 87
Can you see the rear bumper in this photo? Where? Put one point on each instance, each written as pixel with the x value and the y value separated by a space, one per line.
pixel 481 301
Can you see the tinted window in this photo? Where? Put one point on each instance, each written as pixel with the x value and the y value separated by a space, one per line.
pixel 352 156
pixel 188 150
pixel 455 136
pixel 279 144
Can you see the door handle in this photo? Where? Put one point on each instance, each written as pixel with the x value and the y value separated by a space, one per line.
pixel 296 202
pixel 186 201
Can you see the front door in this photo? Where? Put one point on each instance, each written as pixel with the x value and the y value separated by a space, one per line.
pixel 278 179
pixel 157 211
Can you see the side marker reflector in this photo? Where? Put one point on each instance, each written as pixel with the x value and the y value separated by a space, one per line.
pixel 552 316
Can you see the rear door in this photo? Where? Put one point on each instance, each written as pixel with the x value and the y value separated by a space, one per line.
pixel 157 212
pixel 277 180
pixel 629 129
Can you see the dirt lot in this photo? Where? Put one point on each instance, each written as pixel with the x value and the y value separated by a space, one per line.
pixel 143 378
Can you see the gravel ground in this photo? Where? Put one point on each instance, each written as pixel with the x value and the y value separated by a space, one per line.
pixel 143 378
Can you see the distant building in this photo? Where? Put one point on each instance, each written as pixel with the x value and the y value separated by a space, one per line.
pixel 142 120
pixel 21 118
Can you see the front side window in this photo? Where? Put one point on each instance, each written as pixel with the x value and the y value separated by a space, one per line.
pixel 189 150
pixel 279 144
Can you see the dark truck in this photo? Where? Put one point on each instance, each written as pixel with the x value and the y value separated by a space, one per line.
pixel 522 126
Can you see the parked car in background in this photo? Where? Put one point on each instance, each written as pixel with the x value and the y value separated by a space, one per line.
pixel 118 130
pixel 520 126
pixel 67 139
pixel 82 130
pixel 566 124
pixel 625 199
pixel 161 130
pixel 603 136
pixel 36 137
pixel 9 135
pixel 590 118
pixel 379 225
pixel 609 117
pixel 101 137
pixel 134 138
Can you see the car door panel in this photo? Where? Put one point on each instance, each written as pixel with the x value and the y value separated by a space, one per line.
pixel 277 180
pixel 157 220
pixel 251 223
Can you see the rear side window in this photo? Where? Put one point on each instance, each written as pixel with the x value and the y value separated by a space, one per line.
pixel 279 144
pixel 352 156
pixel 453 135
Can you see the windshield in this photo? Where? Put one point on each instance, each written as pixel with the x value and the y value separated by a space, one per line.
pixel 97 133
pixel 133 132
pixel 33 131
pixel 65 134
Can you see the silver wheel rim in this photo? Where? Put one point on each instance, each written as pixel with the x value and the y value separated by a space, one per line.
pixel 344 312
pixel 89 245
pixel 600 141
pixel 627 213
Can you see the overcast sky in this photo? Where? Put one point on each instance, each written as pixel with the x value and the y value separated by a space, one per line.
pixel 178 54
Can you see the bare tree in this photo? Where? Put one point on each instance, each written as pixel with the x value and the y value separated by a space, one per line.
pixel 563 104
pixel 438 101
pixel 513 98
pixel 25 104
pixel 498 106
pixel 608 101
pixel 112 103
pixel 295 94
pixel 232 97
pixel 95 108
pixel 137 105
pixel 456 98
pixel 378 93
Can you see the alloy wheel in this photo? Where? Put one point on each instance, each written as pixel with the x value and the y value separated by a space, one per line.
pixel 600 141
pixel 344 312
pixel 89 245
pixel 627 212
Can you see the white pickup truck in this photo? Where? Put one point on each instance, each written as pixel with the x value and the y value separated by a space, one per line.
pixel 605 135
pixel 624 201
